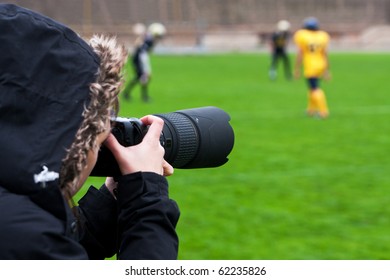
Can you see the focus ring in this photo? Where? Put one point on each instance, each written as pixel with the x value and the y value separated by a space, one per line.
pixel 187 138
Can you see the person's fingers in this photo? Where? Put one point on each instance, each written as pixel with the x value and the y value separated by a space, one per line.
pixel 155 127
pixel 111 185
pixel 113 145
pixel 167 169
pixel 146 156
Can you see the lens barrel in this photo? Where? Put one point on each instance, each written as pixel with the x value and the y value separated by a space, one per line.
pixel 192 138
pixel 197 138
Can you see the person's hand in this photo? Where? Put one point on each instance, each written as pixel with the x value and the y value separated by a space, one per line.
pixel 111 185
pixel 148 156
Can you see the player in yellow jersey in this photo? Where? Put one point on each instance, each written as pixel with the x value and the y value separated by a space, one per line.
pixel 312 45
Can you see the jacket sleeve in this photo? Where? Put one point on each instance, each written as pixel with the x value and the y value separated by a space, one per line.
pixel 97 216
pixel 147 218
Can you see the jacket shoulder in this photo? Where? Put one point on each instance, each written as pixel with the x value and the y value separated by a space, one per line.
pixel 30 232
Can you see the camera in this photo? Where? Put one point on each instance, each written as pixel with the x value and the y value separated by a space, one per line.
pixel 192 138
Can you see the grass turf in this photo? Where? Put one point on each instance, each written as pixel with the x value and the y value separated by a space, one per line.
pixel 294 187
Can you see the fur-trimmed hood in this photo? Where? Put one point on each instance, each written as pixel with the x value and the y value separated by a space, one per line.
pixel 50 82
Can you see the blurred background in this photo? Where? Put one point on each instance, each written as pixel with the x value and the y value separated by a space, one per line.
pixel 224 25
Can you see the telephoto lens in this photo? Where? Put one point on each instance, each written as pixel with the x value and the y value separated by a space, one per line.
pixel 192 138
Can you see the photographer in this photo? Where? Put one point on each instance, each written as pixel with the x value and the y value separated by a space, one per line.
pixel 57 96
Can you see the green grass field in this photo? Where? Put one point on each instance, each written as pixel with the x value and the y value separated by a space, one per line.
pixel 294 187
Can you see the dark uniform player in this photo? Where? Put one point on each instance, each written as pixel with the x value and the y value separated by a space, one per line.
pixel 279 42
pixel 141 62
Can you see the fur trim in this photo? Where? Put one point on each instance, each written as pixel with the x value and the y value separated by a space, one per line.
pixel 103 100
pixel 104 92
pixel 112 58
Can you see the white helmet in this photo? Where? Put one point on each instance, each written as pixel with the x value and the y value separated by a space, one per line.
pixel 157 29
pixel 283 25
pixel 139 29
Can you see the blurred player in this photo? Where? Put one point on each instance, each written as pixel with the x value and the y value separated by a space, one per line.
pixel 312 53
pixel 279 42
pixel 140 58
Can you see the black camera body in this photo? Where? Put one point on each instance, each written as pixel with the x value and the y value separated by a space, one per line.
pixel 192 138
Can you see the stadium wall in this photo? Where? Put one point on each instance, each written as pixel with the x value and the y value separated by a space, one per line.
pixel 224 24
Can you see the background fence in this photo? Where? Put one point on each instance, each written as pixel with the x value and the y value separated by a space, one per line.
pixel 197 22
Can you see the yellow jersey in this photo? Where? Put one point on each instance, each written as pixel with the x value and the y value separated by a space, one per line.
pixel 313 44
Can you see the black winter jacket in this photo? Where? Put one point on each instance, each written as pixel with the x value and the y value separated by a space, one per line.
pixel 140 225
